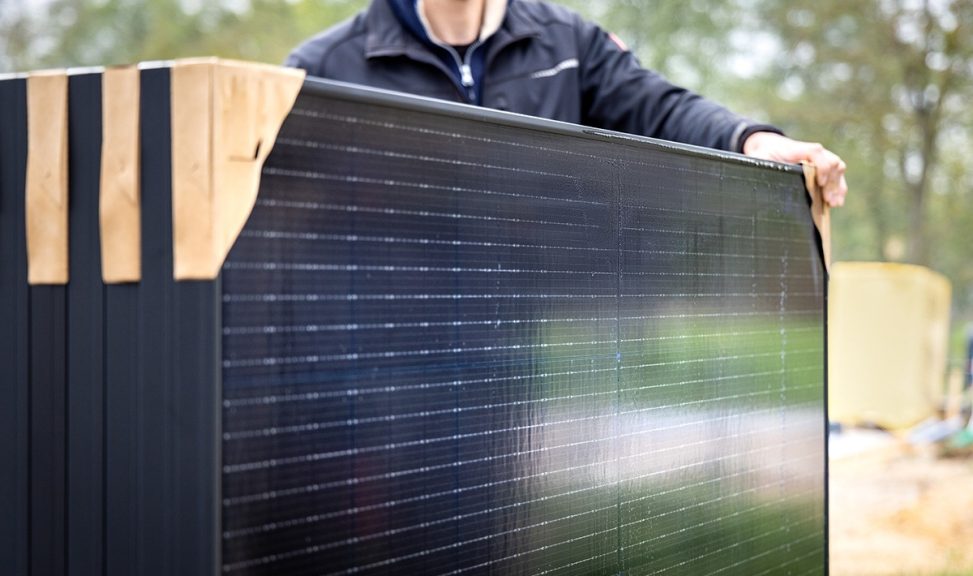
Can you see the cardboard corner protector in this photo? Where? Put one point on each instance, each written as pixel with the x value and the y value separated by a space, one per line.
pixel 119 208
pixel 46 194
pixel 225 119
pixel 820 212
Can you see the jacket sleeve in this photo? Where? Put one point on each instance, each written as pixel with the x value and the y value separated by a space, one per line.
pixel 619 94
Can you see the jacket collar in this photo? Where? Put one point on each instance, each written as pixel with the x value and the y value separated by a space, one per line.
pixel 492 18
pixel 517 25
pixel 388 36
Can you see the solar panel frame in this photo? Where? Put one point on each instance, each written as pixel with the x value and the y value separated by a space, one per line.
pixel 14 391
pixel 85 340
pixel 48 380
pixel 154 429
pixel 48 410
pixel 129 482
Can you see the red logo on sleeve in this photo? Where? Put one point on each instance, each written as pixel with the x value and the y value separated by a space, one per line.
pixel 618 41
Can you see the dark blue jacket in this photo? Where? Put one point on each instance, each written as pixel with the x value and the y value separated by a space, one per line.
pixel 544 60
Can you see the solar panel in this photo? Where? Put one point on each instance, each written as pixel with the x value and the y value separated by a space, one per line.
pixel 13 328
pixel 84 363
pixel 448 341
pixel 459 344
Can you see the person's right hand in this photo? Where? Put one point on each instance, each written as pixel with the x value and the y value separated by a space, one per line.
pixel 830 168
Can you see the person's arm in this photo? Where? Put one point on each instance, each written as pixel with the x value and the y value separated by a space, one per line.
pixel 619 94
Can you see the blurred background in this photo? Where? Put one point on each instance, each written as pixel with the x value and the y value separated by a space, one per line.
pixel 885 83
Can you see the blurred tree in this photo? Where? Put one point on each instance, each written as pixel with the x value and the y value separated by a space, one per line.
pixel 887 83
pixel 62 33
pixel 890 81
pixel 16 35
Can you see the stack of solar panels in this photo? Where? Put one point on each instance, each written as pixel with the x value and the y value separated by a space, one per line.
pixel 110 402
pixel 447 341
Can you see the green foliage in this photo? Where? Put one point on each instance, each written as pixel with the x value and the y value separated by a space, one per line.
pixel 63 33
pixel 887 84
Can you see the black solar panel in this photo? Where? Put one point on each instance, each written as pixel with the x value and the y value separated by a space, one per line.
pixel 448 341
pixel 14 417
pixel 84 313
pixel 463 345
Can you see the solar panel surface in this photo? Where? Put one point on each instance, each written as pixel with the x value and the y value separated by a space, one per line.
pixel 461 342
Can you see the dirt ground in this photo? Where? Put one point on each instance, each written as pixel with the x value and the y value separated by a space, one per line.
pixel 897 509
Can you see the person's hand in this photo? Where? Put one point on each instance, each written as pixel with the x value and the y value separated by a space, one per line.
pixel 830 168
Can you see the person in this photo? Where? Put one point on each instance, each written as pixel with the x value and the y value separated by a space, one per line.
pixel 538 58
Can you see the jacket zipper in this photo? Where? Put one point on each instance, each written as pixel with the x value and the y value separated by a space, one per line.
pixel 465 67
